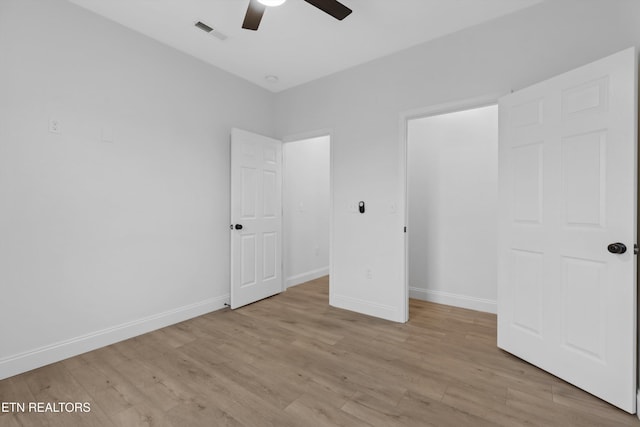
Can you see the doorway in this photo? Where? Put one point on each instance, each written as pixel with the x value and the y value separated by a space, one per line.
pixel 567 204
pixel 306 209
pixel 452 192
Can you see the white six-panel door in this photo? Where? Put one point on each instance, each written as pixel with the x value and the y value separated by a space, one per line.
pixel 567 190
pixel 256 217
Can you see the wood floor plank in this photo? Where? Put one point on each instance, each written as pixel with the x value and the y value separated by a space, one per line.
pixel 292 360
pixel 428 412
pixel 197 414
pixel 9 420
pixel 142 415
pixel 319 408
pixel 373 411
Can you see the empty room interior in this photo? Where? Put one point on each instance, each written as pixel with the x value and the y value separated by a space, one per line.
pixel 319 212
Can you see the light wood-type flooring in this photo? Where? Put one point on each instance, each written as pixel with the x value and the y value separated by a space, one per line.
pixel 291 360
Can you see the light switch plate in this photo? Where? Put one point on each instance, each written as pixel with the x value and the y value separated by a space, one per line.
pixel 55 126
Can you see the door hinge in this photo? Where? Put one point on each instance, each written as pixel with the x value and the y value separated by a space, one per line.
pixel 635 249
pixel 405 229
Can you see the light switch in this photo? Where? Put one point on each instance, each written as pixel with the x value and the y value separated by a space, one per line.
pixel 55 126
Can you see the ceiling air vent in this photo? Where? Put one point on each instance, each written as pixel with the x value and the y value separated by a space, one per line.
pixel 204 27
pixel 207 29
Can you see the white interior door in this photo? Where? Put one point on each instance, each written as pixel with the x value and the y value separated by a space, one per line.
pixel 567 188
pixel 256 217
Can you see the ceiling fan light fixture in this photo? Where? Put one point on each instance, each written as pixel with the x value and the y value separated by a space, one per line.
pixel 272 3
pixel 256 10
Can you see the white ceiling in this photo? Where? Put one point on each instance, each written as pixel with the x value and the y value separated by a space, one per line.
pixel 296 41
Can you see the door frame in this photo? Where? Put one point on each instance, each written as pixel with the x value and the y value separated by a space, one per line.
pixel 405 117
pixel 328 132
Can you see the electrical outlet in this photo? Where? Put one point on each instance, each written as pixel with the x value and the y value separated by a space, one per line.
pixel 54 126
pixel 106 134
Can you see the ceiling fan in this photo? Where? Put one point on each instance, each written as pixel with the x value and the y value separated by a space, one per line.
pixel 257 7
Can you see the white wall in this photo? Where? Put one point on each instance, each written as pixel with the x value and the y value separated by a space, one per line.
pixel 101 241
pixel 452 202
pixel 306 209
pixel 362 106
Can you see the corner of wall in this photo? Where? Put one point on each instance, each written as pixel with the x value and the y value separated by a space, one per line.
pixel 456 300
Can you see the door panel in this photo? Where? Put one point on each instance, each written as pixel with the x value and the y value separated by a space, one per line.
pixel 568 188
pixel 527 160
pixel 270 255
pixel 248 260
pixel 528 312
pixel 270 185
pixel 248 188
pixel 584 177
pixel 256 205
pixel 583 296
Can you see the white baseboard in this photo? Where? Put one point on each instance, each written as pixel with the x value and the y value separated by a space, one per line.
pixel 456 300
pixel 305 277
pixel 366 307
pixel 23 362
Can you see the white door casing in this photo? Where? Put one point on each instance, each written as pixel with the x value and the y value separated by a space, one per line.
pixel 256 206
pixel 568 189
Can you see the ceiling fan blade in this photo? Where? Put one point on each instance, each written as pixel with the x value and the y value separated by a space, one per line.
pixel 332 7
pixel 254 15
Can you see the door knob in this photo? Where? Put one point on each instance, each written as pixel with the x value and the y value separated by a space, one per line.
pixel 617 248
pixel 239 227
